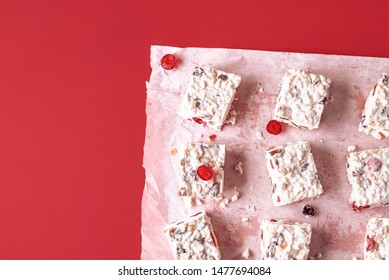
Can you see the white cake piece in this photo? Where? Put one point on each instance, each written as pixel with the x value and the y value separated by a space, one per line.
pixel 368 175
pixel 209 96
pixel 377 239
pixel 293 173
pixel 375 115
pixel 194 157
pixel 193 238
pixel 285 240
pixel 301 99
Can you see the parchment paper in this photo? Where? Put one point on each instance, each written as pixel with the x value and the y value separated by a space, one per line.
pixel 338 232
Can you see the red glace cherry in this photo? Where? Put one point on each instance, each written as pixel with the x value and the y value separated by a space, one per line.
pixel 168 61
pixel 212 137
pixel 274 127
pixel 205 172
pixel 198 120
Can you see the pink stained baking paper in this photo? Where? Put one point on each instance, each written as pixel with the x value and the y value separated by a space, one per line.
pixel 338 231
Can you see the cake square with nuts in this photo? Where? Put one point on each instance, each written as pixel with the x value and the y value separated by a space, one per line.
pixel 293 173
pixel 301 99
pixel 209 96
pixel 377 239
pixel 201 171
pixel 375 115
pixel 368 175
pixel 193 238
pixel 285 240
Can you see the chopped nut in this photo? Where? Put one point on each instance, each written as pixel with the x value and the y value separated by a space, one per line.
pixel 239 168
pixel 246 254
pixel 173 152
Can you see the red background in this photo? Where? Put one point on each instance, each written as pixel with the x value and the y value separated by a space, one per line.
pixel 72 103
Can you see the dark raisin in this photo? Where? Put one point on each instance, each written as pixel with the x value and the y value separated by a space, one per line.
pixel 261 234
pixel 198 71
pixel 223 77
pixel 181 250
pixel 277 239
pixel 316 82
pixel 323 100
pixel 215 189
pixel 279 152
pixel 385 80
pixel 271 251
pixel 384 112
pixel 308 211
pixel 303 167
pixel 356 173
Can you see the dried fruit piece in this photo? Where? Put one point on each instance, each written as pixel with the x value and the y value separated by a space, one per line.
pixel 371 245
pixel 358 208
pixel 205 172
pixel 212 137
pixel 168 61
pixel 173 151
pixel 223 77
pixel 274 127
pixel 198 71
pixel 303 167
pixel 198 120
pixel 308 211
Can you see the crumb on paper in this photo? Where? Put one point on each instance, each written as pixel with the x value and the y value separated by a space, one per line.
pixel 235 196
pixel 260 87
pixel 173 151
pixel 260 135
pixel 244 219
pixel 239 168
pixel 355 259
pixel 351 148
pixel 251 187
pixel 318 255
pixel 246 254
pixel 251 208
pixel 321 140
pixel 231 117
pixel 223 203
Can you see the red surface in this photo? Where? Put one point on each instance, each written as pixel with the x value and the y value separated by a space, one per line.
pixel 72 101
